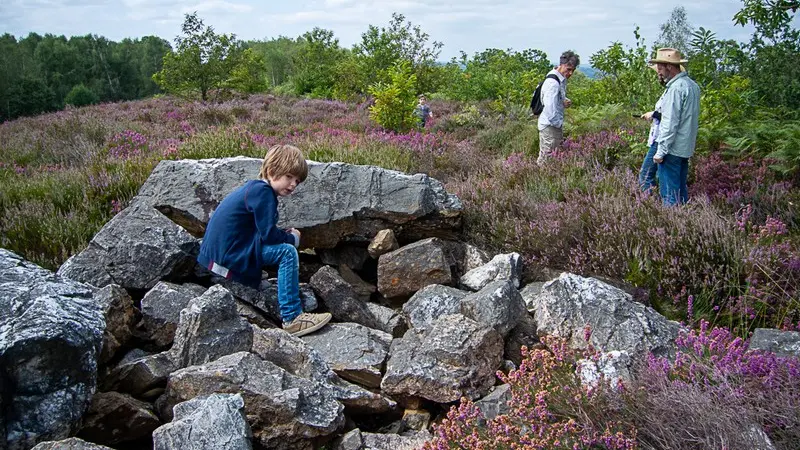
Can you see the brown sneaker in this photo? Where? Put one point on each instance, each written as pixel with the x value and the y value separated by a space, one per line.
pixel 306 323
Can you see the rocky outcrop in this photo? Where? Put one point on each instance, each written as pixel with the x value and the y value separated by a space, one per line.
pixel 215 421
pixel 284 411
pixel 136 249
pixel 350 203
pixel 51 336
pixel 569 304
pixel 456 357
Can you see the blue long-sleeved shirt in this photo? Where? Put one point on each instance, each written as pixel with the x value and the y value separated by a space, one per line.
pixel 553 96
pixel 680 113
pixel 244 221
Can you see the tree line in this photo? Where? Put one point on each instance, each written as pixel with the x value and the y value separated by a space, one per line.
pixel 39 74
pixel 44 73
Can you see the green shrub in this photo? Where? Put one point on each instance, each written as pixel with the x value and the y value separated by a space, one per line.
pixel 80 95
pixel 395 101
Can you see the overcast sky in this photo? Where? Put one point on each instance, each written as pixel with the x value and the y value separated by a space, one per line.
pixel 470 25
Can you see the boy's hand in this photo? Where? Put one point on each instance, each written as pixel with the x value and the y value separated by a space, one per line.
pixel 296 233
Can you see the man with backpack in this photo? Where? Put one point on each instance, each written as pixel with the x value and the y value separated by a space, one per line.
pixel 553 97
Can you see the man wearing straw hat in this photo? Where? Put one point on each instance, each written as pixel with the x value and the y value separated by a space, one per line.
pixel 677 132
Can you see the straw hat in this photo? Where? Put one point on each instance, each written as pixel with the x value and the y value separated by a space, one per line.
pixel 668 56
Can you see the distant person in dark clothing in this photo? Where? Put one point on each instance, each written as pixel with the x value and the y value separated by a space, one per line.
pixel 423 112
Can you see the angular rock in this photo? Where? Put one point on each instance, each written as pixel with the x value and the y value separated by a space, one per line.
pixel 782 343
pixel 496 403
pixel 284 411
pixel 523 335
pixel 408 269
pixel 136 249
pixel 342 301
pixel 355 352
pixel 350 203
pixel 210 327
pixel 387 319
pixel 501 267
pixel 570 303
pixel 216 421
pixel 300 359
pixel 611 367
pixel 120 315
pixel 497 305
pixel 161 309
pixel 363 289
pixel 70 444
pixel 253 316
pixel 114 418
pixel 416 419
pixel 383 242
pixel 51 337
pixel 359 440
pixel 140 374
pixel 265 298
pixel 456 357
pixel 430 303
pixel 529 293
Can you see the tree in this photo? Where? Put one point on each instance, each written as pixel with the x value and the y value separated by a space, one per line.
pixel 278 55
pixel 382 48
pixel 314 62
pixel 506 76
pixel 676 32
pixel 203 60
pixel 774 50
pixel 80 95
pixel 395 100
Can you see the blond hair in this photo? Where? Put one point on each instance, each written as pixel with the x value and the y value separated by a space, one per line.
pixel 282 160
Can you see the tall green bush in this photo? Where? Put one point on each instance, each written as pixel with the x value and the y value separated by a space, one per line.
pixel 395 101
pixel 80 95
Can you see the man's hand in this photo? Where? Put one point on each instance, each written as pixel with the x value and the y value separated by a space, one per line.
pixel 648 115
pixel 567 103
pixel 657 160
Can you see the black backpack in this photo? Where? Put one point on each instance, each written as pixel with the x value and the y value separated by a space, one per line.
pixel 536 100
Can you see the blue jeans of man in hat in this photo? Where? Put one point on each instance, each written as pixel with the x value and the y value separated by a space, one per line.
pixel 673 173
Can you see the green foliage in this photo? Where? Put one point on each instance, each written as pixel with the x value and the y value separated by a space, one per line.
pixel 774 50
pixel 202 61
pixel 278 56
pixel 314 61
pixel 382 48
pixel 724 107
pixel 248 75
pixel 395 101
pixel 506 76
pixel 770 138
pixel 37 73
pixel 80 95
pixel 625 78
pixel 28 97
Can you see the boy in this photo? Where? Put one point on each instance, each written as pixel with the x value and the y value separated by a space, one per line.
pixel 423 112
pixel 242 236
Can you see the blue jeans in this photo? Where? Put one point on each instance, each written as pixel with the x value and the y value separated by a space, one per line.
pixel 647 174
pixel 672 175
pixel 285 257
